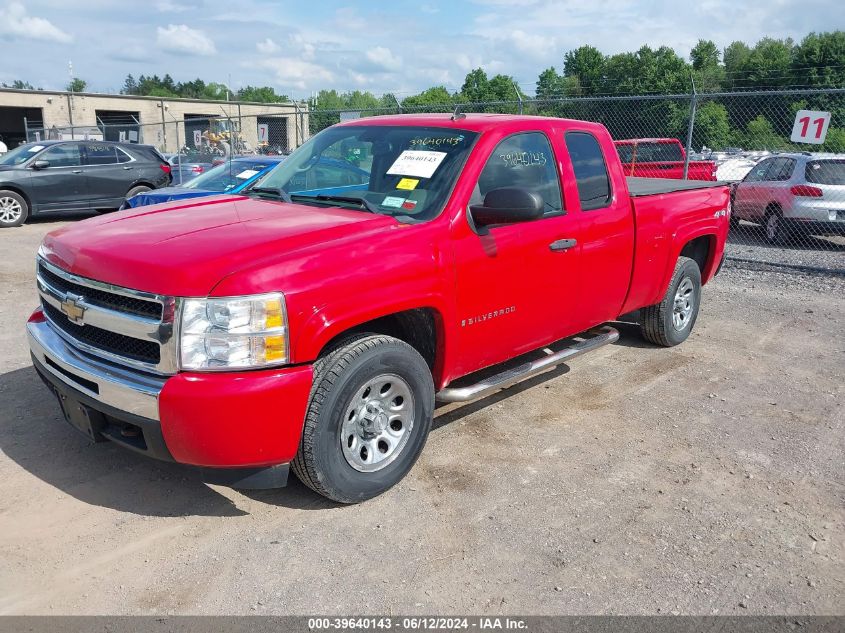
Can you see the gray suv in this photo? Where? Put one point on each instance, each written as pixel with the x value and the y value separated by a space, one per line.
pixel 793 193
pixel 75 176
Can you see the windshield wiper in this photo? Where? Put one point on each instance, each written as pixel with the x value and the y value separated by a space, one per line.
pixel 281 194
pixel 358 202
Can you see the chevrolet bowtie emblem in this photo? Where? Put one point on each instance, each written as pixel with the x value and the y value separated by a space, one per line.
pixel 73 308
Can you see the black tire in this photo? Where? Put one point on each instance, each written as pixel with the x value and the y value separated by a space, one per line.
pixel 14 209
pixel 322 463
pixel 136 190
pixel 658 321
pixel 774 228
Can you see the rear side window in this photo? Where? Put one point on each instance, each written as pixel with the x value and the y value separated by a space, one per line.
pixel 826 172
pixel 590 170
pixel 101 154
pixel 123 157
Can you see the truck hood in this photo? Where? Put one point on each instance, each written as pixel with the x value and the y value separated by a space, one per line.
pixel 186 248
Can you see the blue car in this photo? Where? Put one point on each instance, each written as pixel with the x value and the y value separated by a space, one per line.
pixel 230 177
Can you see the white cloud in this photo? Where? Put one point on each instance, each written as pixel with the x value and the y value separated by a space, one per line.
pixel 268 47
pixel 384 58
pixel 14 21
pixel 180 38
pixel 294 73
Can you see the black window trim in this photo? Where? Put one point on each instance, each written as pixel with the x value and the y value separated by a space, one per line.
pixel 610 193
pixel 551 214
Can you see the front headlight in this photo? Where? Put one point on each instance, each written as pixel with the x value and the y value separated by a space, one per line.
pixel 234 332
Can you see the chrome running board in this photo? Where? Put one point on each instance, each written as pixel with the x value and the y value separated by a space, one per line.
pixel 599 338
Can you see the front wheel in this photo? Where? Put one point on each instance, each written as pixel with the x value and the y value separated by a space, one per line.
pixel 136 190
pixel 370 412
pixel 13 209
pixel 670 322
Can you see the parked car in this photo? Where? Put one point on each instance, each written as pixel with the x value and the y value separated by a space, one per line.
pixel 793 194
pixel 185 168
pixel 229 177
pixel 75 175
pixel 249 335
pixel 661 158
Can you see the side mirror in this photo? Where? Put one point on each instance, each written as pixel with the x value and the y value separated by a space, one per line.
pixel 507 205
pixel 41 164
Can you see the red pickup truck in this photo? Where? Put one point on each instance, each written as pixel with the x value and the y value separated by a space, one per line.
pixel 312 322
pixel 661 158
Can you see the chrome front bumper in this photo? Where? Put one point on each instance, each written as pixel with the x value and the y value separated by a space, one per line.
pixel 120 388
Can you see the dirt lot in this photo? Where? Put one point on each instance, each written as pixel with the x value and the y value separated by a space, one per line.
pixel 702 479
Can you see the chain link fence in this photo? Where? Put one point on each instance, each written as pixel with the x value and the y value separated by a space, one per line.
pixel 789 197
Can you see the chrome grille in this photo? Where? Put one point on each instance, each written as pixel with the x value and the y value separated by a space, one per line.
pixel 121 325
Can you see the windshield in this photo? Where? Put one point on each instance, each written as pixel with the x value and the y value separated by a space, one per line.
pixel 826 172
pixel 404 171
pixel 228 175
pixel 20 154
pixel 649 153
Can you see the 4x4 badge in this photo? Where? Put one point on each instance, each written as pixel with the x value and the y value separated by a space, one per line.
pixel 73 308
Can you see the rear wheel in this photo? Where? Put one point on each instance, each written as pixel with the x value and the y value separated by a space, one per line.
pixel 774 227
pixel 136 190
pixel 368 419
pixel 13 209
pixel 670 322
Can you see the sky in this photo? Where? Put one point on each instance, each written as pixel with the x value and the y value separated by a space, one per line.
pixel 396 46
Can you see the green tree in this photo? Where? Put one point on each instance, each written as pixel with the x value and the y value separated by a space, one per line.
pixel 436 97
pixel 704 55
pixel 17 84
pixel 587 63
pixel 262 94
pixel 819 60
pixel 476 87
pixel 761 134
pixel 76 85
pixel 130 86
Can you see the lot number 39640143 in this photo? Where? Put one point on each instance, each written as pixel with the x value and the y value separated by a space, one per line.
pixel 810 127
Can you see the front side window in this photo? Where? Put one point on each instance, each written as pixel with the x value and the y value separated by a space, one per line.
pixel 590 170
pixel 404 171
pixel 64 155
pixel 101 154
pixel 525 161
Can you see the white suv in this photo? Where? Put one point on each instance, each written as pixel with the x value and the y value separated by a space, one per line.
pixel 793 193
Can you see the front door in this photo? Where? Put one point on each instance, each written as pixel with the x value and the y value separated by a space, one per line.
pixel 61 185
pixel 516 283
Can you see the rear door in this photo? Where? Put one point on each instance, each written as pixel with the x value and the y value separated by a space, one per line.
pixel 607 227
pixel 108 178
pixel 61 185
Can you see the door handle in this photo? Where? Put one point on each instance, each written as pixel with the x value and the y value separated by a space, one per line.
pixel 563 245
pixel 127 167
pixel 76 171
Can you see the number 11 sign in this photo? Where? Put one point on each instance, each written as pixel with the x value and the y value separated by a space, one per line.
pixel 810 127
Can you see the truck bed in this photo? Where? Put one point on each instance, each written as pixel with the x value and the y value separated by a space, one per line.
pixel 639 187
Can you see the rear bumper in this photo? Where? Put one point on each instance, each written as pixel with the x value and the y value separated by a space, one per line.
pixel 248 423
pixel 816 227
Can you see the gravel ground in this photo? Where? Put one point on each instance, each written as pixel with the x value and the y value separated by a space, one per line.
pixel 748 243
pixel 701 479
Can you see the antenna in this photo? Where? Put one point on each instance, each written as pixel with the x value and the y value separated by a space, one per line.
pixel 457 115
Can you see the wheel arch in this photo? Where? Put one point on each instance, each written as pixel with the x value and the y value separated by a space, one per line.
pixel 420 327
pixel 19 190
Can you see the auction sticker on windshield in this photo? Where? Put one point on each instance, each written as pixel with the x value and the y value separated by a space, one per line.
pixel 418 163
pixel 246 173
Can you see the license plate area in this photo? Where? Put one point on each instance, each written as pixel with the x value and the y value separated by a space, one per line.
pixel 84 419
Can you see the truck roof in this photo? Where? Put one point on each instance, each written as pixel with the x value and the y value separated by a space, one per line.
pixel 474 122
